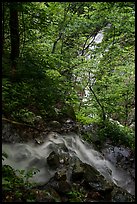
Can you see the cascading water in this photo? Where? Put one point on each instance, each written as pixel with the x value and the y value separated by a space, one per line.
pixel 26 156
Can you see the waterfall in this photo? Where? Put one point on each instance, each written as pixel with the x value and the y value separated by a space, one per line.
pixel 30 155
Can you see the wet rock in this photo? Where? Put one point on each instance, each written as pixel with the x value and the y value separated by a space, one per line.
pixel 55 124
pixel 91 180
pixel 59 182
pixel 69 125
pixel 39 140
pixel 53 160
pixel 61 175
pixel 53 134
pixel 9 133
pixel 123 159
pixel 95 180
pixel 121 195
pixel 72 172
pixel 78 172
pixel 63 148
pixel 64 186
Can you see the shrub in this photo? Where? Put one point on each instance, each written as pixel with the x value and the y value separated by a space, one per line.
pixel 117 133
pixel 15 183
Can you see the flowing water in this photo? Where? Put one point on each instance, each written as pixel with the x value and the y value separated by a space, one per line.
pixel 29 155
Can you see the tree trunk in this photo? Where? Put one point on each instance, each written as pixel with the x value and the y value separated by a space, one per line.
pixel 14 36
pixel 3 21
pixel 97 100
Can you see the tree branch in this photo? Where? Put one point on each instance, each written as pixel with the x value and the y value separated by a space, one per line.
pixel 97 100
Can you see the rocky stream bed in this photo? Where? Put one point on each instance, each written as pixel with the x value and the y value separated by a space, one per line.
pixel 70 168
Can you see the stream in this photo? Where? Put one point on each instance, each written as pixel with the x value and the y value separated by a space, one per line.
pixel 31 155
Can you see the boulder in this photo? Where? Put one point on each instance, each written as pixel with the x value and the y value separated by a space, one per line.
pixel 53 160
pixel 10 134
pixel 121 195
pixel 59 182
pixel 92 178
pixel 70 126
pixel 78 172
pixel 95 184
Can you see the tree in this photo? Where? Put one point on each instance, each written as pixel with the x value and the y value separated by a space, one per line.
pixel 14 36
pixel 55 43
pixel 110 63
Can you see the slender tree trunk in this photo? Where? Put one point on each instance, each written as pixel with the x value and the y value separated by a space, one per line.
pixel 3 27
pixel 102 108
pixel 14 36
pixel 97 100
pixel 55 43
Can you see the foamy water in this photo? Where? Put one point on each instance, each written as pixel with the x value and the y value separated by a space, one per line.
pixel 29 155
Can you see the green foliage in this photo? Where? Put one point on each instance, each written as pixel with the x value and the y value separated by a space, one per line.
pixel 76 195
pixel 88 136
pixel 15 183
pixel 83 119
pixel 25 99
pixel 14 96
pixel 24 115
pixel 54 42
pixel 26 176
pixel 111 63
pixel 117 133
pixel 59 60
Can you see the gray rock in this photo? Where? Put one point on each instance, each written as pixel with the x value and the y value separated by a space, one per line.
pixel 121 195
pixel 78 172
pixel 9 134
pixel 53 160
